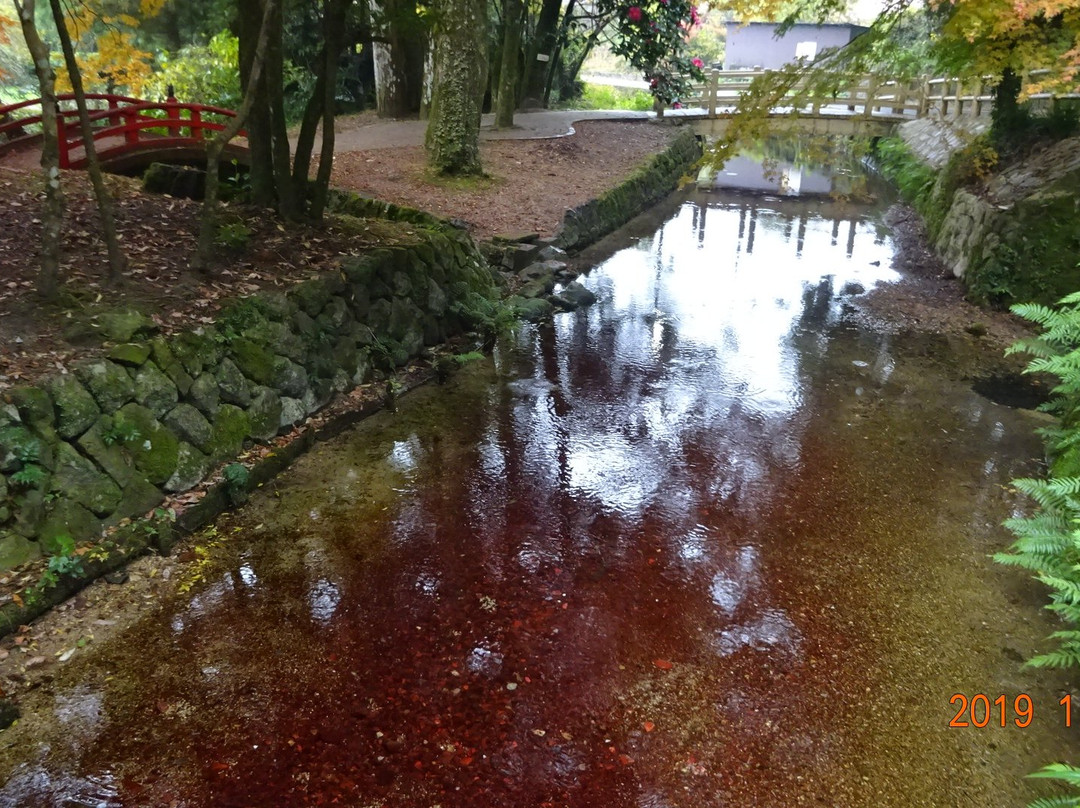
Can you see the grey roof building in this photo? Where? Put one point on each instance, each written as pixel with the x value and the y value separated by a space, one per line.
pixel 755 45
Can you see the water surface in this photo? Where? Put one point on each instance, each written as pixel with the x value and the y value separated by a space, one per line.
pixel 710 542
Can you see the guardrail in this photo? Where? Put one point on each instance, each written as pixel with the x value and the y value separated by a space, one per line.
pixel 868 96
pixel 121 124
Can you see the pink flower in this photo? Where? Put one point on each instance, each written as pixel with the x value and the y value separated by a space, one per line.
pixel 697 62
pixel 676 105
pixel 633 14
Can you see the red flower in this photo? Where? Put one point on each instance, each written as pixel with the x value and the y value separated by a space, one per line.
pixel 697 62
pixel 633 14
pixel 676 105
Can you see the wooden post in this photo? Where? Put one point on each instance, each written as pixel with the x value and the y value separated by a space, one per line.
pixel 131 134
pixel 196 130
pixel 172 111
pixel 713 89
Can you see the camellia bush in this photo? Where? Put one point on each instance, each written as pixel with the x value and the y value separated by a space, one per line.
pixel 652 37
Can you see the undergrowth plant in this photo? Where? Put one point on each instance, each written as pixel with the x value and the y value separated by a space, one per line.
pixel 1048 542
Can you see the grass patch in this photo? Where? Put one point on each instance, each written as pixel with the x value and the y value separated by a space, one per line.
pixel 602 96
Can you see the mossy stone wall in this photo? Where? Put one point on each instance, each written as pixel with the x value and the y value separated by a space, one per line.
pixel 111 437
pixel 648 185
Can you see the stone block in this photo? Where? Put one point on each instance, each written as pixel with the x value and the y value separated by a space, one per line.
pixel 255 361
pixel 204 394
pixel 75 407
pixel 154 390
pixel 109 455
pixel 129 354
pixel 66 520
pixel 108 383
pixel 191 466
pixel 139 497
pixel 231 427
pixel 190 425
pixel 233 386
pixel 79 480
pixel 264 414
pixel 153 448
pixel 16 550
pixel 34 408
pixel 289 379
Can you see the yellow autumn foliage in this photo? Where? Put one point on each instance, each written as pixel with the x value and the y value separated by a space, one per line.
pixel 104 35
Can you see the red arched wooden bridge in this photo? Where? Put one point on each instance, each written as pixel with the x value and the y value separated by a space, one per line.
pixel 129 133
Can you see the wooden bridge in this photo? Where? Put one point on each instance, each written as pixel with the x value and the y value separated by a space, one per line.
pixel 867 105
pixel 129 133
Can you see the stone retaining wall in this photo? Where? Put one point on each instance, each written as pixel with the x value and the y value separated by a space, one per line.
pixel 111 437
pixel 1013 238
pixel 645 187
pixel 1018 238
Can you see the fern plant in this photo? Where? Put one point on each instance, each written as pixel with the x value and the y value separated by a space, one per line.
pixel 1048 542
pixel 1064 773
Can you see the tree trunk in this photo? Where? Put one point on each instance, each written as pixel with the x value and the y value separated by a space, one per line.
pixel 52 216
pixel 263 193
pixel 453 132
pixel 506 98
pixel 309 126
pixel 290 199
pixel 334 12
pixel 543 43
pixel 208 224
pixel 399 60
pixel 117 260
pixel 1006 115
pixel 560 42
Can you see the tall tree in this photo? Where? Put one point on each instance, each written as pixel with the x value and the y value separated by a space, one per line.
pixel 506 97
pixel 399 54
pixel 280 178
pixel 117 260
pixel 453 132
pixel 53 212
pixel 541 48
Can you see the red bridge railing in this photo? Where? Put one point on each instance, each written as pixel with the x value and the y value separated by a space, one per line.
pixel 121 125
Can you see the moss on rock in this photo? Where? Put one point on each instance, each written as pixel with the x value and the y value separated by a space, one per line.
pixel 108 382
pixel 231 426
pixel 76 408
pixel 153 448
pixel 154 390
pixel 76 478
pixel 191 467
pixel 254 360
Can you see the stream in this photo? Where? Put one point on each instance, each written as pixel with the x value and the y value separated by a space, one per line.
pixel 713 541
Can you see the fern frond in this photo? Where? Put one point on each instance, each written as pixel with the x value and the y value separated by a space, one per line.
pixel 1055 659
pixel 1060 801
pixel 1064 772
pixel 1036 312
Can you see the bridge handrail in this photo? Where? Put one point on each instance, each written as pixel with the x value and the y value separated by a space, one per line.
pixel 868 95
pixel 126 117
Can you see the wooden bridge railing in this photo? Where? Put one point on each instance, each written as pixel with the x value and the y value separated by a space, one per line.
pixel 120 124
pixel 869 96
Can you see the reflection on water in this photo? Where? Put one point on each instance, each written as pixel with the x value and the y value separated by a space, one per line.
pixel 579 579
